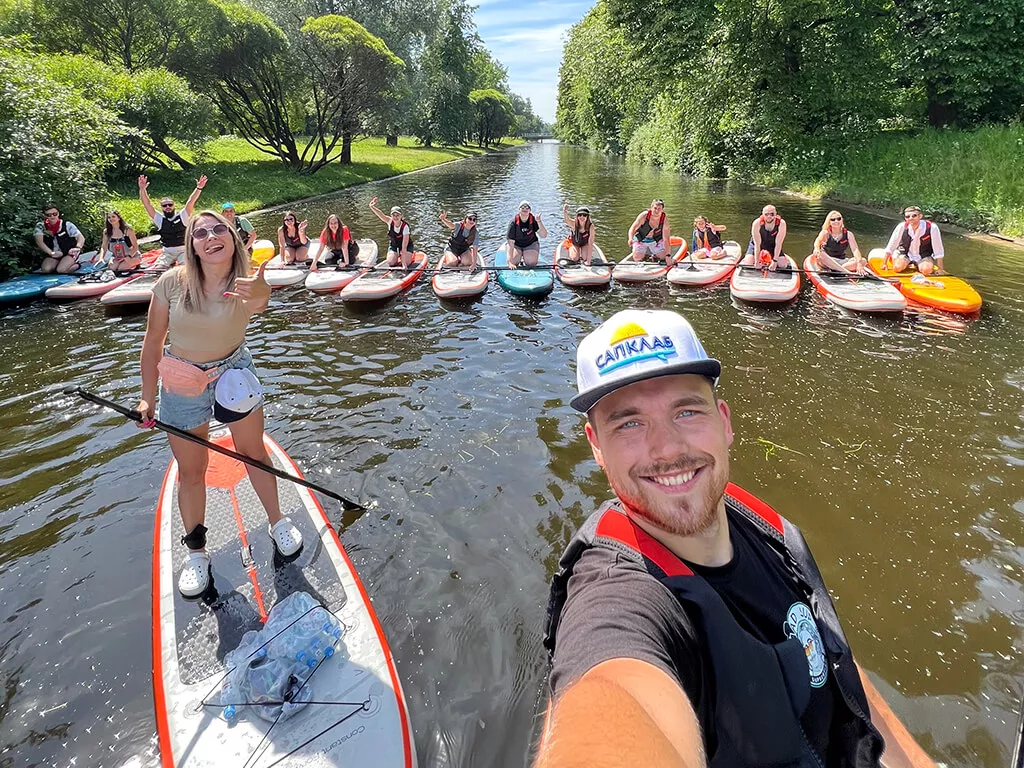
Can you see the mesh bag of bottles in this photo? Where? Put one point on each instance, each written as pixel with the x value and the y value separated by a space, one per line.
pixel 270 670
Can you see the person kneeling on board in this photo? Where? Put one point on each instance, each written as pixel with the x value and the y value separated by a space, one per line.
pixel 767 236
pixel 581 235
pixel 337 243
pixel 706 242
pixel 461 249
pixel 521 241
pixel 915 244
pixel 650 234
pixel 201 310
pixel 688 623
pixel 833 246
pixel 400 245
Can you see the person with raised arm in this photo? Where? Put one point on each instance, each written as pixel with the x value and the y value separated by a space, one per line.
pixel 461 250
pixel 688 623
pixel 200 310
pixel 521 241
pixel 706 242
pixel 170 223
pixel 292 242
pixel 399 235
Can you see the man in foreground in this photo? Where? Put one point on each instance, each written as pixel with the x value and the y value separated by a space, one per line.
pixel 688 624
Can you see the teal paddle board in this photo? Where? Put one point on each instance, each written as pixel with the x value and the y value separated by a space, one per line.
pixel 35 284
pixel 524 281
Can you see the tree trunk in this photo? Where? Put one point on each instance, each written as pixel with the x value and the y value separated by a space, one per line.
pixel 391 140
pixel 346 148
pixel 165 149
pixel 940 113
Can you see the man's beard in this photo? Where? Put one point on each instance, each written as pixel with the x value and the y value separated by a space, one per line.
pixel 681 516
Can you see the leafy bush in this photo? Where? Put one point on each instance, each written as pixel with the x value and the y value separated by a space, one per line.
pixel 55 145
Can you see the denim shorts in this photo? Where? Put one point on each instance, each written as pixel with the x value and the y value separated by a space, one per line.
pixel 191 412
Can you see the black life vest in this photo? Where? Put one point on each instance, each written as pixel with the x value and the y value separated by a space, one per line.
pixel 460 242
pixel 836 248
pixel 61 241
pixel 926 240
pixel 708 239
pixel 395 237
pixel 646 232
pixel 525 231
pixel 292 241
pixel 768 236
pixel 172 231
pixel 756 703
pixel 580 237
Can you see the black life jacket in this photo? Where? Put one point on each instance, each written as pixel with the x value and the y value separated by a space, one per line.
pixel 926 240
pixel 580 237
pixel 837 248
pixel 292 241
pixel 395 238
pixel 525 231
pixel 62 241
pixel 172 231
pixel 708 239
pixel 459 242
pixel 759 690
pixel 768 236
pixel 645 231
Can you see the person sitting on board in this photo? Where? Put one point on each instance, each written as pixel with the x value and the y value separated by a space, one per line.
pixel 337 243
pixel 833 247
pixel 706 242
pixel 246 230
pixel 201 310
pixel 119 244
pixel 915 244
pixel 292 243
pixel 650 234
pixel 461 250
pixel 169 223
pixel 581 234
pixel 521 243
pixel 399 236
pixel 688 623
pixel 767 236
pixel 60 241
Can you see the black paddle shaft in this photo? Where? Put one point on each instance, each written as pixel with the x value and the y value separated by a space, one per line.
pixel 136 416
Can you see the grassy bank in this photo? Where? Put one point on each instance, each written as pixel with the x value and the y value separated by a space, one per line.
pixel 252 180
pixel 974 179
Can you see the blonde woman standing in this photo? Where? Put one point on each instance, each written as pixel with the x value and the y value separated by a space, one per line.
pixel 200 310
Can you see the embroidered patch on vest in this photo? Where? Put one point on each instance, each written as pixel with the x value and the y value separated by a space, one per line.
pixel 800 625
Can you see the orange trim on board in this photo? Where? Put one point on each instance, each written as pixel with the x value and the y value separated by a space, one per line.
pixel 163 727
pixel 396 684
pixel 251 568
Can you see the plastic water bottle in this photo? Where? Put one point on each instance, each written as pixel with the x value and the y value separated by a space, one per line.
pixel 228 695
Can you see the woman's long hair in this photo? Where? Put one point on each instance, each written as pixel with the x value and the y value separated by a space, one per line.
pixel 121 224
pixel 824 227
pixel 331 240
pixel 295 222
pixel 192 276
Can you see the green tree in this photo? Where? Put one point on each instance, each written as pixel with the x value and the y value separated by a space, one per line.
pixel 493 116
pixel 444 108
pixel 132 33
pixel 353 76
pixel 55 144
pixel 158 104
pixel 488 72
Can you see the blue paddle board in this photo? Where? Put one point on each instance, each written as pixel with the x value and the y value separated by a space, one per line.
pixel 35 284
pixel 524 281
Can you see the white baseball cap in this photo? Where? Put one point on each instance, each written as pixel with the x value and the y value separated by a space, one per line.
pixel 634 345
pixel 237 394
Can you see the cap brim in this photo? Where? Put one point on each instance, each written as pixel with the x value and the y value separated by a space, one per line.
pixel 584 401
pixel 227 416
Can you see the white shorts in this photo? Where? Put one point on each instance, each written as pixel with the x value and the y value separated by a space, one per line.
pixel 172 255
pixel 643 247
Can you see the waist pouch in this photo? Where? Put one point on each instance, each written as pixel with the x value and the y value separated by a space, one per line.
pixel 189 380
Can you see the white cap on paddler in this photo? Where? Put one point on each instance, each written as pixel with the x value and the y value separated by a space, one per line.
pixel 237 394
pixel 634 345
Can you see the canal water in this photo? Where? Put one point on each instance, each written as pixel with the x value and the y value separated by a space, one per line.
pixel 897 446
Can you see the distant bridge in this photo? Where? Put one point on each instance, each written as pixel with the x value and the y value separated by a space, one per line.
pixel 537 136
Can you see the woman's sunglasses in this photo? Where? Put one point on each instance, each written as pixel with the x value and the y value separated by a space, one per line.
pixel 201 233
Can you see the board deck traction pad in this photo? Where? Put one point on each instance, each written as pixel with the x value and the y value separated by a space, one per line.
pixel 357 687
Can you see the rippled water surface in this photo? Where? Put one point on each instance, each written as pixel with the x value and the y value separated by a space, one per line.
pixel 897 446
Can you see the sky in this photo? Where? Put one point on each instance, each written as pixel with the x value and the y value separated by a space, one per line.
pixel 527 37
